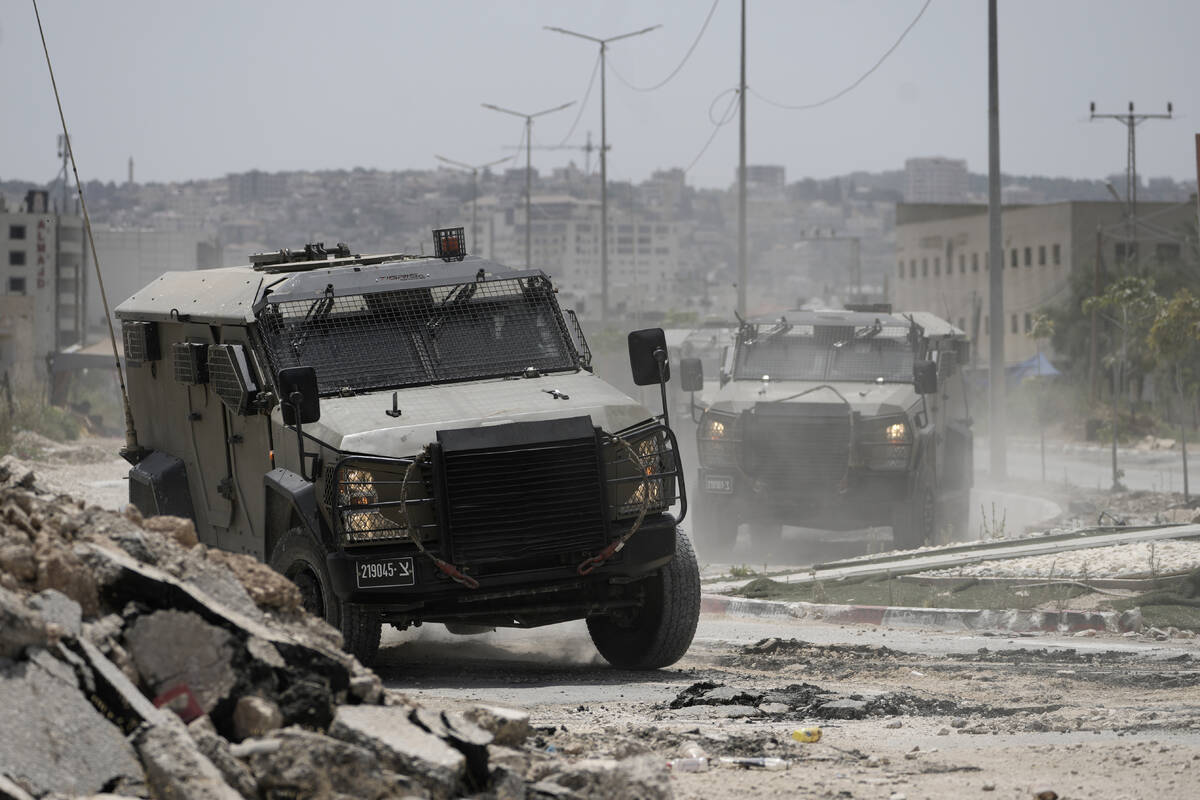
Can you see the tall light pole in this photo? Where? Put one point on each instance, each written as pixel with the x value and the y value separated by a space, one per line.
pixel 603 152
pixel 474 184
pixel 996 416
pixel 528 167
pixel 742 277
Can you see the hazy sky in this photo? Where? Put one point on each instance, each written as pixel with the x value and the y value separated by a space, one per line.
pixel 200 89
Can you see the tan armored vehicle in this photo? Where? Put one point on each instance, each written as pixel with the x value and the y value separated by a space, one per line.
pixel 413 440
pixel 835 420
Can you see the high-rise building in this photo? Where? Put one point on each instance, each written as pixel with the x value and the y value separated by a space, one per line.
pixel 935 180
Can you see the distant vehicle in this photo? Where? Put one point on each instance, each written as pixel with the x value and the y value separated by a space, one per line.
pixel 835 420
pixel 413 440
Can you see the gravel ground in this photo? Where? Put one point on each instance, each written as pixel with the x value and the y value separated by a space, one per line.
pixel 1137 560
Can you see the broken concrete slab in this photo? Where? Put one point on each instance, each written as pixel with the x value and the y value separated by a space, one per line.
pixel 302 764
pixel 178 647
pixel 255 716
pixel 401 745
pixel 54 738
pixel 175 765
pixel 644 777
pixel 843 709
pixel 217 750
pixel 509 726
pixel 20 625
pixel 58 609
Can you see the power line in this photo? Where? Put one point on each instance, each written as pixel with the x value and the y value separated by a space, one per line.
pixel 675 71
pixel 856 83
pixel 583 103
pixel 718 123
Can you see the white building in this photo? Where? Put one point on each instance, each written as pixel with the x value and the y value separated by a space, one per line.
pixel 42 281
pixel 935 180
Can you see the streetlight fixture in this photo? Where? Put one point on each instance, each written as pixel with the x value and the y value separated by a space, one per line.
pixel 474 183
pixel 603 152
pixel 528 166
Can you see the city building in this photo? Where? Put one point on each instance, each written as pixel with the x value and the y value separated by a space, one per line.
pixel 130 258
pixel 42 284
pixel 942 263
pixel 935 180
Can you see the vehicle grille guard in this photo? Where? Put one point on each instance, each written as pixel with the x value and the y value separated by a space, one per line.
pixel 843 484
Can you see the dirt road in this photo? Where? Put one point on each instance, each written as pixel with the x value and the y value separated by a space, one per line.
pixel 914 714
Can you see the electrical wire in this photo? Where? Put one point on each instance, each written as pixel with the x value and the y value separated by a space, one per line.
pixel 583 103
pixel 675 71
pixel 856 83
pixel 717 123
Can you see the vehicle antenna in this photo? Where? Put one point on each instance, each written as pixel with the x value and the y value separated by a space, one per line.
pixel 132 451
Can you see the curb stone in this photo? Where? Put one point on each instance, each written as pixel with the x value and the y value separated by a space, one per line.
pixel 947 619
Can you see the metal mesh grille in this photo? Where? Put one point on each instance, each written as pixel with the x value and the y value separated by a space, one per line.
pixel 797 451
pixel 190 362
pixel 140 340
pixel 226 378
pixel 831 353
pixel 419 336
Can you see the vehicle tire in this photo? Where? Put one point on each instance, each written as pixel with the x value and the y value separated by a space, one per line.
pixel 915 523
pixel 715 526
pixel 660 632
pixel 298 557
pixel 954 520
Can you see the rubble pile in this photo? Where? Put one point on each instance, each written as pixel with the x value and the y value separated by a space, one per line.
pixel 135 661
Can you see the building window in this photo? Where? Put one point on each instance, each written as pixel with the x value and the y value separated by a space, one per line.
pixel 1056 253
pixel 1028 322
pixel 1028 257
pixel 16 231
pixel 16 258
pixel 937 265
pixel 16 286
pixel 1120 252
pixel 974 262
pixel 962 262
pixel 912 268
pixel 1167 252
pixel 987 324
pixel 1016 258
pixel 924 267
pixel 1041 255
pixel 901 269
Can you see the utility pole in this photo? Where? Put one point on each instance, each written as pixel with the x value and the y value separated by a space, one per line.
pixel 528 168
pixel 1131 120
pixel 996 426
pixel 474 186
pixel 603 150
pixel 742 278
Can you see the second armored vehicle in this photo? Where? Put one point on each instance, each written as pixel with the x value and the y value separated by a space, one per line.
pixel 835 420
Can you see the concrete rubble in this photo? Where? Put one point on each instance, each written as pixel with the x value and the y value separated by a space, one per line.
pixel 135 661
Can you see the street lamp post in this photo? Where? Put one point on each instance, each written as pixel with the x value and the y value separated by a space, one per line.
pixel 603 152
pixel 474 185
pixel 528 166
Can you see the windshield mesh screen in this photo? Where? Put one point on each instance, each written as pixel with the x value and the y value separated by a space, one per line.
pixel 421 335
pixel 824 353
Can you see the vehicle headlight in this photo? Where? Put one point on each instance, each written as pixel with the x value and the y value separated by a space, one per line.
pixel 630 491
pixel 716 441
pixel 886 444
pixel 361 517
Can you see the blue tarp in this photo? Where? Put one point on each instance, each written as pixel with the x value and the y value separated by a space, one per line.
pixel 1038 366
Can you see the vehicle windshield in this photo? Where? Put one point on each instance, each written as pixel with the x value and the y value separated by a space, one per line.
pixel 420 336
pixel 824 353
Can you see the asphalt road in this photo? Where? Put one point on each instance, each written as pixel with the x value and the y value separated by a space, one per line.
pixel 1090 466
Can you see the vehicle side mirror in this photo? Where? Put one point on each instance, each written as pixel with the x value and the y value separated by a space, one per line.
pixel 925 377
pixel 299 395
pixel 691 374
pixel 648 355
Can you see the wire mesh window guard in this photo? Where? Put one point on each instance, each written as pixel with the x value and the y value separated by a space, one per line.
pixel 825 353
pixel 411 337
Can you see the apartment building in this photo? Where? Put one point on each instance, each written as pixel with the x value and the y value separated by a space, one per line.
pixel 942 264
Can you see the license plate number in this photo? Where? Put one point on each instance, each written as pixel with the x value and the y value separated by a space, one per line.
pixel 384 572
pixel 721 484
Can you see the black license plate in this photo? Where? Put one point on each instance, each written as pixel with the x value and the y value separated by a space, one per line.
pixel 377 573
pixel 718 484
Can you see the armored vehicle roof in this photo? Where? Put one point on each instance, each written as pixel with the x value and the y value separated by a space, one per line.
pixel 931 324
pixel 232 295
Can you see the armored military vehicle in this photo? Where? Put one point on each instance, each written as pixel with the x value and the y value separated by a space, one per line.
pixel 413 439
pixel 835 420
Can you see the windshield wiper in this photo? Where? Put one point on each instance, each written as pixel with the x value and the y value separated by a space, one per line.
pixel 869 332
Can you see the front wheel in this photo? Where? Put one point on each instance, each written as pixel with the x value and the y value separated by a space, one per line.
pixel 915 523
pixel 658 633
pixel 297 557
